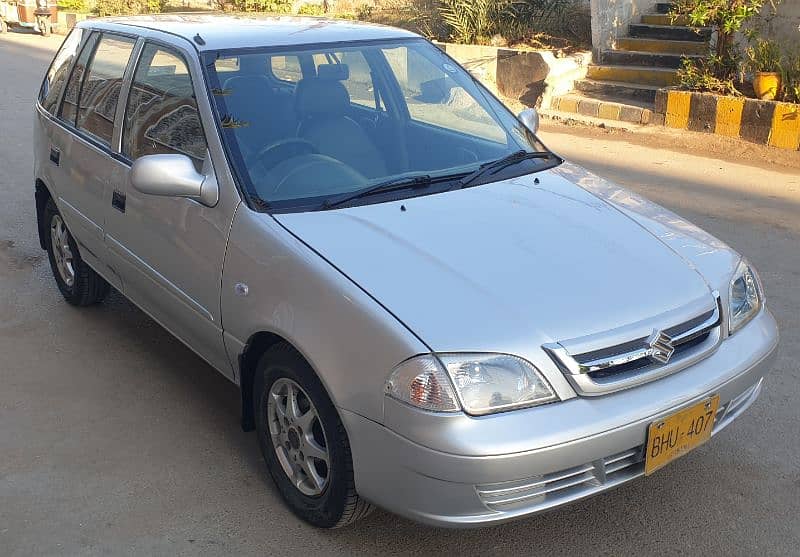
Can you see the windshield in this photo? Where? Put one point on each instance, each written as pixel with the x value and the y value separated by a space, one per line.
pixel 305 125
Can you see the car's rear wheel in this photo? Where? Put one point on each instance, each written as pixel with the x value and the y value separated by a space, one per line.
pixel 79 284
pixel 304 442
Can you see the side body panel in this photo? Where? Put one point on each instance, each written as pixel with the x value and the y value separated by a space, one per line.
pixel 350 340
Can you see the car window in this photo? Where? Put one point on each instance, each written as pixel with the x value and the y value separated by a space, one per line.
pixel 69 106
pixel 97 103
pixel 286 68
pixel 227 65
pixel 56 77
pixel 161 116
pixel 434 97
pixel 359 81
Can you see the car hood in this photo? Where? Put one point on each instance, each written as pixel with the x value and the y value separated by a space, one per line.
pixel 504 266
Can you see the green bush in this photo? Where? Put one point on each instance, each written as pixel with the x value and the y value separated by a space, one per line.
pixel 701 75
pixel 311 9
pixel 790 74
pixel 727 17
pixel 486 21
pixel 272 6
pixel 763 55
pixel 79 6
pixel 128 7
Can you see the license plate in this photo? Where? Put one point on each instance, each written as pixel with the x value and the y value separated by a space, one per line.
pixel 679 433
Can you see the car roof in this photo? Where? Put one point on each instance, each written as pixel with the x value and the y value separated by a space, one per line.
pixel 220 31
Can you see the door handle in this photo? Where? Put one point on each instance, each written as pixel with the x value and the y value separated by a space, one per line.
pixel 55 156
pixel 118 201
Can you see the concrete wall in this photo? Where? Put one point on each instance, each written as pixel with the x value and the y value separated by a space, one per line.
pixel 532 77
pixel 610 19
pixel 785 26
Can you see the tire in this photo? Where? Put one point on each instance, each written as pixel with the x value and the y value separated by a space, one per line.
pixel 337 503
pixel 85 287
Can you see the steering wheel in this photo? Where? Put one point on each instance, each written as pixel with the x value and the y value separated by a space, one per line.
pixel 282 150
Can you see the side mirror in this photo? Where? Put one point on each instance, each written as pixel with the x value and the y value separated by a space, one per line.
pixel 173 176
pixel 530 119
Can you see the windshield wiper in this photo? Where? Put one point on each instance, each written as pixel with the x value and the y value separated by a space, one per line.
pixel 495 166
pixel 400 183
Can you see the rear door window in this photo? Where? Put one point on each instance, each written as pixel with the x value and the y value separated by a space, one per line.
pixel 56 77
pixel 69 106
pixel 161 116
pixel 97 103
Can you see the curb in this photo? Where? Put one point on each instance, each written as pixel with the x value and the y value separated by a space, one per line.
pixel 772 123
pixel 605 110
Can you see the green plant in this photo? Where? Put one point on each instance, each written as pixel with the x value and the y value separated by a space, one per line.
pixel 763 55
pixel 727 17
pixel 790 76
pixel 364 11
pixel 473 21
pixel 125 7
pixel 700 75
pixel 311 9
pixel 79 6
pixel 514 20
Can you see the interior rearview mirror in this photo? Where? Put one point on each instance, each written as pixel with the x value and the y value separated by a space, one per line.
pixel 530 119
pixel 173 176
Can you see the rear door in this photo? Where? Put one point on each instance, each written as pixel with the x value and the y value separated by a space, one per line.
pixel 170 250
pixel 84 154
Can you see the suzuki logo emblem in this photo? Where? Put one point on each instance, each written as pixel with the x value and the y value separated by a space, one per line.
pixel 660 347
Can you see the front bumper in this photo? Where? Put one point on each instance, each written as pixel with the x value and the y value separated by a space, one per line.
pixel 462 471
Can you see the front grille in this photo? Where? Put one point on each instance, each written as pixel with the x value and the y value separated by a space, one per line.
pixel 633 362
pixel 539 493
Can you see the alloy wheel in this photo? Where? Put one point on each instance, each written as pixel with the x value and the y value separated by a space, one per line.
pixel 298 438
pixel 59 238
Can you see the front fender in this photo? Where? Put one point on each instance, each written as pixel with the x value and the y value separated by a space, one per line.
pixel 274 283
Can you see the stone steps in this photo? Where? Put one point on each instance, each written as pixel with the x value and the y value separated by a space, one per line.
pixel 618 89
pixel 661 46
pixel 662 77
pixel 669 32
pixel 663 7
pixel 665 19
pixel 623 81
pixel 643 58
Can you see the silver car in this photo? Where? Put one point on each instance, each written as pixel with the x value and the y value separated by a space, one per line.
pixel 425 308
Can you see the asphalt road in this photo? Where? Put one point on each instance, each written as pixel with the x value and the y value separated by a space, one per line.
pixel 115 439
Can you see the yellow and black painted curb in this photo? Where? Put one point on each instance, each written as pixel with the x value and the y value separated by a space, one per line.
pixel 765 122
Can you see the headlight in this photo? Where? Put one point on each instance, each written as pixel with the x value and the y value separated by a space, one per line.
pixel 745 297
pixel 484 383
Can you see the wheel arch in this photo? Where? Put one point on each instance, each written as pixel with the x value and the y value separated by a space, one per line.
pixel 256 346
pixel 42 194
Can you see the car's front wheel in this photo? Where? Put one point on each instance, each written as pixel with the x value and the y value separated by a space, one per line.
pixel 304 442
pixel 79 284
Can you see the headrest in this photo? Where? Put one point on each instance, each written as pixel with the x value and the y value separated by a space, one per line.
pixel 333 72
pixel 321 97
pixel 249 86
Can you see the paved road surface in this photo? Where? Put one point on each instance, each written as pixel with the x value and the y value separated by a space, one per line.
pixel 116 439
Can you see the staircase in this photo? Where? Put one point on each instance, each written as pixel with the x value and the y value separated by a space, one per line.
pixel 637 66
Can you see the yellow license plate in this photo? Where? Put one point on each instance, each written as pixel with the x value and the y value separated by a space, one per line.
pixel 679 433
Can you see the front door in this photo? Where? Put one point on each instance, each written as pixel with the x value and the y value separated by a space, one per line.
pixel 170 250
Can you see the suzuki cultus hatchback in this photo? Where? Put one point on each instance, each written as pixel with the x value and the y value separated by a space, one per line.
pixel 425 308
